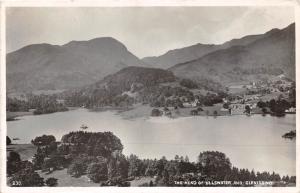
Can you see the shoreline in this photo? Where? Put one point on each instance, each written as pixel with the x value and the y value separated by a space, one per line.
pixel 140 110
pixel 14 116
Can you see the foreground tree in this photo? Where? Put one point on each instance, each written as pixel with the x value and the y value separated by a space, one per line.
pixel 214 164
pixel 26 178
pixel 13 162
pixel 98 171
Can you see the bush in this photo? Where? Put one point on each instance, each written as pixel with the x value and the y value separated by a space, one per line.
pixel 226 106
pixel 156 113
pixel 43 140
pixel 199 109
pixel 261 104
pixel 51 182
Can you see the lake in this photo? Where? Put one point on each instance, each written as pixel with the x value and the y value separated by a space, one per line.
pixel 249 142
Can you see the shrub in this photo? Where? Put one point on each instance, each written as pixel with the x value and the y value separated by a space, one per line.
pixel 43 140
pixel 51 182
pixel 156 113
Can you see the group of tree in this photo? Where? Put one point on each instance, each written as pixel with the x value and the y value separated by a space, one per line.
pixel 42 104
pixel 157 92
pixel 99 157
pixel 276 107
pixel 22 173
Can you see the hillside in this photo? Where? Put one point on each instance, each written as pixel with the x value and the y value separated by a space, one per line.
pixel 132 85
pixel 182 55
pixel 75 64
pixel 271 55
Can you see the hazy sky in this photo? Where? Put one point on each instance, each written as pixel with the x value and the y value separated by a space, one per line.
pixel 145 31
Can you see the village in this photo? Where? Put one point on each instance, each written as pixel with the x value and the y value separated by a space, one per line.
pixel 243 99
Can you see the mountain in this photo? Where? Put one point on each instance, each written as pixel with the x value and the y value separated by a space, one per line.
pixel 270 55
pixel 196 51
pixel 180 55
pixel 75 64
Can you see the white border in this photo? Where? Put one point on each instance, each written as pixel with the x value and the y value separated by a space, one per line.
pixel 137 3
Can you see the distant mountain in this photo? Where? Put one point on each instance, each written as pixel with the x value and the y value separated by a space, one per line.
pixel 77 63
pixel 196 51
pixel 181 55
pixel 258 58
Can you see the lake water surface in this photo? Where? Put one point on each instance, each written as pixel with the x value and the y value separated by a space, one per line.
pixel 249 142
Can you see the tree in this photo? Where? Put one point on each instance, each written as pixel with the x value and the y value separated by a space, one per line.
pixel 292 179
pixel 261 104
pixel 247 109
pixel 77 169
pixel 38 158
pixel 264 111
pixel 135 166
pixel 13 162
pixel 214 164
pixel 226 106
pixel 26 177
pixel 54 162
pixel 199 109
pixel 151 183
pixel 186 159
pixel 13 157
pixel 43 140
pixel 215 113
pixel 156 113
pixel 98 171
pixel 8 141
pixel 51 182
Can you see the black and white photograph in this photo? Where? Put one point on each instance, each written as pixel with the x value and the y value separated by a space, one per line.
pixel 150 96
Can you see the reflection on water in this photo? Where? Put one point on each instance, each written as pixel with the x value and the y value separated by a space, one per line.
pixel 249 142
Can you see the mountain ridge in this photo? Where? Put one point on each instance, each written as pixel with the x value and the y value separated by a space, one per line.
pixel 272 54
pixel 177 56
pixel 74 64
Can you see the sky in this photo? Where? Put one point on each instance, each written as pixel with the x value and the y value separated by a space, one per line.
pixel 145 31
